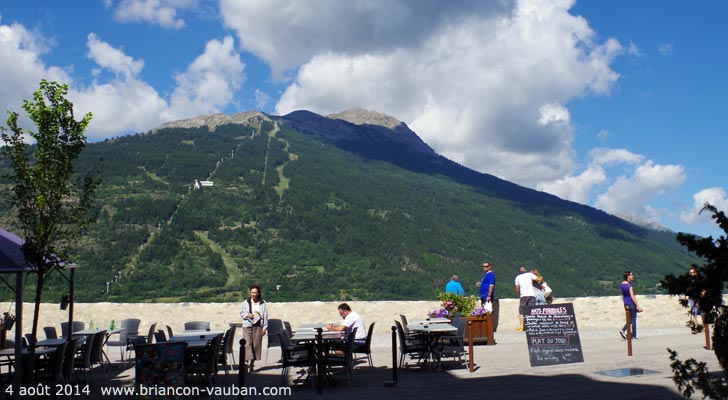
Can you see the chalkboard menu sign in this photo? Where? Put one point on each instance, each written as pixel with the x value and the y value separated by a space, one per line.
pixel 552 335
pixel 160 370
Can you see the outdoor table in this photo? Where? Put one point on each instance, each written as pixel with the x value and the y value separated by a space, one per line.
pixel 308 335
pixel 195 339
pixel 433 332
pixel 25 352
pixel 428 321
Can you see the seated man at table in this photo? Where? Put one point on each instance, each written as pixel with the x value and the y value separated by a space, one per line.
pixel 352 320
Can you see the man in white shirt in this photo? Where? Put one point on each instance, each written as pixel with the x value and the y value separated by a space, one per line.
pixel 524 290
pixel 352 320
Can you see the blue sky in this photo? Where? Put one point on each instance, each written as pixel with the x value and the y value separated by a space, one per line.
pixel 616 104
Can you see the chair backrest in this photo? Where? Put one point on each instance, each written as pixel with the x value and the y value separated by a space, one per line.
pixel 284 340
pixel 85 359
pixel 367 347
pixel 69 358
pixel 197 325
pixel 274 325
pixel 212 354
pixel 56 362
pixel 77 326
pixel 404 324
pixel 131 325
pixel 120 341
pixel 402 339
pixel 150 334
pixel 227 342
pixel 170 333
pixel 50 332
pixel 30 339
pixel 98 347
pixel 159 336
pixel 288 327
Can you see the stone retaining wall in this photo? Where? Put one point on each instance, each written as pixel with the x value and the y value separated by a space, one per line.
pixel 591 312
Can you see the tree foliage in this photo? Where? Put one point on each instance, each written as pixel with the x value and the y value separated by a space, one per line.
pixel 51 203
pixel 690 374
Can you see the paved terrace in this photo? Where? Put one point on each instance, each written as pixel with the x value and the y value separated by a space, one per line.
pixel 501 370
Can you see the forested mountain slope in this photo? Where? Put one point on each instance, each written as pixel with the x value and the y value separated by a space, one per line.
pixel 318 208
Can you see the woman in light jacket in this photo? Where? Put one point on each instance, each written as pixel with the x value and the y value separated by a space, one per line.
pixel 255 325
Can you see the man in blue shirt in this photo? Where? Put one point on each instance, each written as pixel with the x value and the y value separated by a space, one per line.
pixel 487 284
pixel 454 286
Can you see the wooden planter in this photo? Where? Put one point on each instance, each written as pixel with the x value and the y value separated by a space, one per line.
pixel 482 329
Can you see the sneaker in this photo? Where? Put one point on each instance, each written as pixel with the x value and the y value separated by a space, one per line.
pixel 637 338
pixel 623 334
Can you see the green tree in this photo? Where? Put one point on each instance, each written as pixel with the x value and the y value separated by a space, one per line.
pixel 51 203
pixel 690 374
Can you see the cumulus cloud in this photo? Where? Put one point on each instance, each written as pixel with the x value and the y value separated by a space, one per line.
pixel 155 12
pixel 632 194
pixel 21 76
pixel 715 196
pixel 640 181
pixel 483 83
pixel 209 83
pixel 576 188
pixel 120 100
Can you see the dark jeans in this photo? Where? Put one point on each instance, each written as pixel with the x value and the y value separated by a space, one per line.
pixel 632 319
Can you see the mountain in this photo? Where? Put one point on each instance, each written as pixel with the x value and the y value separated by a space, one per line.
pixel 348 206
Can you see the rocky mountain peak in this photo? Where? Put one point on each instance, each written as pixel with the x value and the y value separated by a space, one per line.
pixel 360 116
pixel 214 120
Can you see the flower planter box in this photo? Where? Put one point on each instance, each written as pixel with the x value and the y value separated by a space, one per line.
pixel 482 329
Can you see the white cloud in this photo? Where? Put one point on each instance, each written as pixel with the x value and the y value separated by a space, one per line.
pixel 715 196
pixel 21 76
pixel 121 102
pixel 631 194
pixel 261 99
pixel 154 12
pixel 483 83
pixel 110 58
pixel 633 49
pixel 608 157
pixel 603 135
pixel 665 49
pixel 576 188
pixel 209 83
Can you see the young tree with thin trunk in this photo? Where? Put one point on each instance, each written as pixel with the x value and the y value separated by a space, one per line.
pixel 51 203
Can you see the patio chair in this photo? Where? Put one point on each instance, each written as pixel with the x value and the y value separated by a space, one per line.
pixel 50 332
pixel 68 360
pixel 288 327
pixel 366 348
pixel 453 346
pixel 345 359
pixel 121 343
pixel 274 325
pixel 51 369
pixel 170 333
pixel 77 326
pixel 226 347
pixel 197 326
pixel 292 358
pixel 97 355
pixel 409 347
pixel 205 362
pixel 150 334
pixel 160 336
pixel 82 360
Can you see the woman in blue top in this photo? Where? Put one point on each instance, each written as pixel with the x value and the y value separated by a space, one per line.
pixel 630 304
